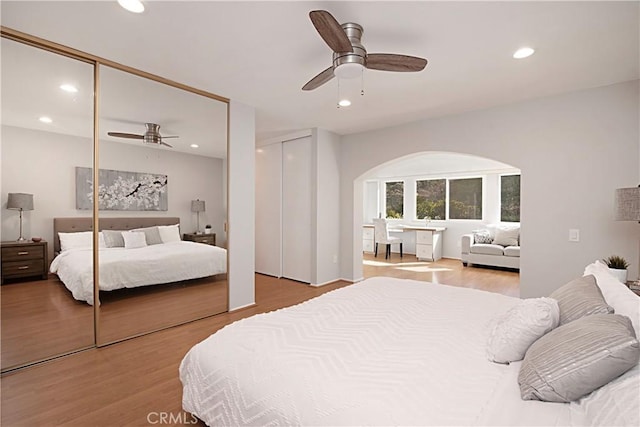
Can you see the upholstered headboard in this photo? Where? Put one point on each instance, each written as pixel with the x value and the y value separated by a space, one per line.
pixel 72 225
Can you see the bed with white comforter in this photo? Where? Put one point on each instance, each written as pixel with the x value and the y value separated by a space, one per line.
pixel 381 352
pixel 129 268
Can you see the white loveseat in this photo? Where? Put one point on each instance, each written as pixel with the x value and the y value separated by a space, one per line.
pixel 497 246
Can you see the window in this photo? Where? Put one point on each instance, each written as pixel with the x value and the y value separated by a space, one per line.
pixel 510 198
pixel 431 197
pixel 465 198
pixel 395 199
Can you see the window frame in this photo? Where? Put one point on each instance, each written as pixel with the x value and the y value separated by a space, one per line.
pixel 446 197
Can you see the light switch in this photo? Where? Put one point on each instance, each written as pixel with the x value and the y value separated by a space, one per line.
pixel 574 235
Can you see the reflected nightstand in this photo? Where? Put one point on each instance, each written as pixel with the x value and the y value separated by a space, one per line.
pixel 209 239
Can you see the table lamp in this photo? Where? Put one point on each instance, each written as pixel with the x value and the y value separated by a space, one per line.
pixel 21 202
pixel 627 206
pixel 197 206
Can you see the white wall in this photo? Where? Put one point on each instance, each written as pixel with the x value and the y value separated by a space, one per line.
pixel 573 150
pixel 43 164
pixel 326 215
pixel 241 233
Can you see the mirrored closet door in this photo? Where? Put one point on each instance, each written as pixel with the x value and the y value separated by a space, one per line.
pixel 162 205
pixel 47 131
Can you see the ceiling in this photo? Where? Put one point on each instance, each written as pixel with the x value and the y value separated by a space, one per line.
pixel 262 53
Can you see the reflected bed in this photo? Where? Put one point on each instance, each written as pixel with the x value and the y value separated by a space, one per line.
pixel 120 267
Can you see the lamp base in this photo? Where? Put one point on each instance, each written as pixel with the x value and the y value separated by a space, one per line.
pixel 21 239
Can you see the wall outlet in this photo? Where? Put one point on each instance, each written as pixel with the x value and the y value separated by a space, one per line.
pixel 574 235
pixel 335 259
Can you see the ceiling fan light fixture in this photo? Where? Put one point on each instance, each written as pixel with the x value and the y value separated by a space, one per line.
pixel 134 6
pixel 523 52
pixel 344 103
pixel 348 71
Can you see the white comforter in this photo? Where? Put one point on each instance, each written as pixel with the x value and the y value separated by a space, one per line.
pixel 130 268
pixel 381 352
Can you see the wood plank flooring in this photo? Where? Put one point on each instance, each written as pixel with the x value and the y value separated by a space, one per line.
pixel 136 381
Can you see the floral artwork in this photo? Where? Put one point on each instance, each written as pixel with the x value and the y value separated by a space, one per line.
pixel 122 191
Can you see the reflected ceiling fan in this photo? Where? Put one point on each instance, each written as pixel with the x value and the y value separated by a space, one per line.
pixel 151 136
pixel 350 56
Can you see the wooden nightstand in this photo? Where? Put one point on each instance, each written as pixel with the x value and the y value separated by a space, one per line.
pixel 24 259
pixel 209 239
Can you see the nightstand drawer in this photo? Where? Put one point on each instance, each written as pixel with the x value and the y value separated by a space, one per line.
pixel 208 239
pixel 19 253
pixel 22 268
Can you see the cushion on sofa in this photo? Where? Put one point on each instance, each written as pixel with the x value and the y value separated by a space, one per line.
pixel 506 236
pixel 487 249
pixel 512 251
pixel 482 236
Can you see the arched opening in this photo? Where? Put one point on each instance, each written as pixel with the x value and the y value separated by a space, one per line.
pixel 430 200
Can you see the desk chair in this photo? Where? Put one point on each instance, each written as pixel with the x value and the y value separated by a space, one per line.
pixel 382 236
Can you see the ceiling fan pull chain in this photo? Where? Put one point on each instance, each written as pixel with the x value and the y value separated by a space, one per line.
pixel 362 82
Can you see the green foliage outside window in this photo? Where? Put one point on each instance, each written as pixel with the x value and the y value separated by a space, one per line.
pixel 510 198
pixel 431 198
pixel 395 199
pixel 465 198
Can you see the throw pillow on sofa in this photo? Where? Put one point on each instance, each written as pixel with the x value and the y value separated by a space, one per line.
pixel 482 236
pixel 506 236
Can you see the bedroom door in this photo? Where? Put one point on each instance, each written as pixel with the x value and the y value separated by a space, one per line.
pixel 269 210
pixel 296 209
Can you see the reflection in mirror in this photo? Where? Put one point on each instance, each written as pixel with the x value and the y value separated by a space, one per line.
pixel 47 130
pixel 161 185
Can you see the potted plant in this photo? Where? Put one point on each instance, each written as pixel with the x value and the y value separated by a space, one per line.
pixel 618 267
pixel 207 229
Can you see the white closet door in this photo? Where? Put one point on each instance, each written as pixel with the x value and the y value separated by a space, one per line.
pixel 296 209
pixel 268 208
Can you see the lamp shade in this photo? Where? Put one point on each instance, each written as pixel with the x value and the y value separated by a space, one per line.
pixel 20 201
pixel 627 204
pixel 197 206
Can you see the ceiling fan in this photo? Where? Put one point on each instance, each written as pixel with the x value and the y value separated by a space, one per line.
pixel 151 136
pixel 350 56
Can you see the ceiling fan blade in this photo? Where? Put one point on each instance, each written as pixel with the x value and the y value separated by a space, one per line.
pixel 125 135
pixel 330 31
pixel 165 144
pixel 393 62
pixel 319 80
pixel 170 136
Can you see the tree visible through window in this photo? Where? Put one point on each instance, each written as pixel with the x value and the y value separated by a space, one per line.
pixel 465 198
pixel 395 199
pixel 510 198
pixel 431 198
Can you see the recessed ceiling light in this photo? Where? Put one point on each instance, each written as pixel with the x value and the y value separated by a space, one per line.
pixel 134 6
pixel 194 146
pixel 69 88
pixel 523 52
pixel 45 119
pixel 344 103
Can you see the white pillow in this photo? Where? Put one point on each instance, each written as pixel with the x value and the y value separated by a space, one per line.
pixel 513 332
pixel 169 233
pixel 79 240
pixel 614 404
pixel 506 236
pixel 618 296
pixel 134 239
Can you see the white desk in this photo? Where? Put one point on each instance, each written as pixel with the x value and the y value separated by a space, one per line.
pixel 428 239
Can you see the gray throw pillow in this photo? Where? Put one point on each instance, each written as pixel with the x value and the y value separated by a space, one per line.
pixel 151 235
pixel 113 238
pixel 578 298
pixel 573 360
pixel 482 236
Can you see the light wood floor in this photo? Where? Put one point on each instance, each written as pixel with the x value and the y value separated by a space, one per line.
pixel 444 271
pixel 127 382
